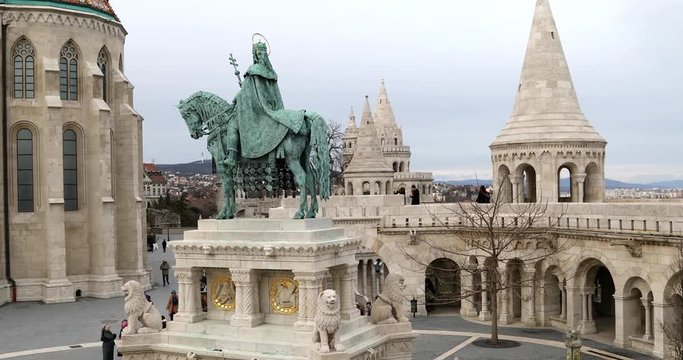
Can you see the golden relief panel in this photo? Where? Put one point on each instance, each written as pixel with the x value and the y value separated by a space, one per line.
pixel 223 292
pixel 284 296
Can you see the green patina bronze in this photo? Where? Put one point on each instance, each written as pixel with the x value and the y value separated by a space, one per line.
pixel 249 136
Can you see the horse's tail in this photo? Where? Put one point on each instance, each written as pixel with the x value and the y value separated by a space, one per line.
pixel 322 149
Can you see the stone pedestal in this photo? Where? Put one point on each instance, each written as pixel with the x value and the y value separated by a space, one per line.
pixel 264 279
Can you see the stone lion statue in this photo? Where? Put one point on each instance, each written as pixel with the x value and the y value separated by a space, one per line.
pixel 143 317
pixel 326 322
pixel 388 306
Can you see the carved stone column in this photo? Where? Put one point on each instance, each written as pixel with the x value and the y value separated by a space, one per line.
pixel 189 305
pixel 529 294
pixel 515 180
pixel 364 272
pixel 563 303
pixel 467 307
pixel 578 181
pixel 347 297
pixel 504 298
pixel 485 313
pixel 310 286
pixel 648 319
pixel 587 316
pixel 246 298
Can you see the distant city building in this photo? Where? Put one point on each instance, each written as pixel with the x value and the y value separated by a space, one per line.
pixel 378 162
pixel 73 215
pixel 154 182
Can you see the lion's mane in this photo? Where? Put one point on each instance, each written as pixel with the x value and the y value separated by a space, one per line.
pixel 135 301
pixel 327 317
pixel 392 288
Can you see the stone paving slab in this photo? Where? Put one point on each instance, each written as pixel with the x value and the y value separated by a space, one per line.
pixel 457 323
pixel 525 351
pixel 429 347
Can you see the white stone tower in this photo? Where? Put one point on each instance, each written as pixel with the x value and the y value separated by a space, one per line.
pixel 349 138
pixel 368 172
pixel 547 132
pixel 390 134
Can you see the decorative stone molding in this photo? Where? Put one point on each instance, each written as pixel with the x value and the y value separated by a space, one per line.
pixel 268 250
pixel 634 247
pixel 62 18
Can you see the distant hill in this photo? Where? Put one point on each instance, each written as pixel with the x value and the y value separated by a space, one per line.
pixel 199 167
pixel 609 184
pixel 195 167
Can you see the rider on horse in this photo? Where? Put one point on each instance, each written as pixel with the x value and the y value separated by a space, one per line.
pixel 262 119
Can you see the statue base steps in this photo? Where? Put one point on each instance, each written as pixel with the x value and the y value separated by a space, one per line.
pixel 215 339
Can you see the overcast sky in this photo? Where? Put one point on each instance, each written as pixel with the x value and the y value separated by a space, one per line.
pixel 451 69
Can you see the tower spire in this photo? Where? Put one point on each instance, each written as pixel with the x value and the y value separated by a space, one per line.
pixel 366 118
pixel 384 114
pixel 352 120
pixel 546 107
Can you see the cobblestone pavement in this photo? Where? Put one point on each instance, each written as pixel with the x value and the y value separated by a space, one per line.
pixel 34 331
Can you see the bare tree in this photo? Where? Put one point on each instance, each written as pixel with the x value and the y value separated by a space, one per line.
pixel 673 327
pixel 500 233
pixel 335 133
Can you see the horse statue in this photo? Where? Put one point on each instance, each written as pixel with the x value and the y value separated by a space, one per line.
pixel 305 153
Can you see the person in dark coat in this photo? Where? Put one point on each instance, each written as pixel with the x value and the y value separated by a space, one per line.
pixel 107 339
pixel 483 197
pixel 164 272
pixel 164 244
pixel 414 196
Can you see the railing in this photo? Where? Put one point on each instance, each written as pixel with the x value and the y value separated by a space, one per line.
pixel 407 176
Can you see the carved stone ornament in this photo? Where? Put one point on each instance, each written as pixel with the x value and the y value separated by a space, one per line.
pixel 284 296
pixel 634 247
pixel 223 292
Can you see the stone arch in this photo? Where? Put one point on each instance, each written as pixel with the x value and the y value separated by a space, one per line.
pixel 672 323
pixel 525 175
pixel 69 71
pixel 567 170
pixel 81 164
pixel 366 188
pixel 514 293
pixel 442 284
pixel 349 188
pixel 504 184
pixel 395 166
pixel 377 188
pixel 402 166
pixel 597 310
pixel 636 310
pixel 388 189
pixel 554 296
pixel 593 184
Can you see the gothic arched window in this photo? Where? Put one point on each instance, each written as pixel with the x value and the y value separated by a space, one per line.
pixel 68 72
pixel 103 64
pixel 70 159
pixel 25 170
pixel 24 69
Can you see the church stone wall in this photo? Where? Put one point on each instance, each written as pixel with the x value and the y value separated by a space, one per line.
pixel 57 252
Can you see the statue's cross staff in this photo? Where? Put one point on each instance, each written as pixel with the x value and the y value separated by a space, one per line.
pixel 233 62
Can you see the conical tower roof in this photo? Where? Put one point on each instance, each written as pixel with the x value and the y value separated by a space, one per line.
pixel 384 115
pixel 366 117
pixel 368 156
pixel 546 108
pixel 352 120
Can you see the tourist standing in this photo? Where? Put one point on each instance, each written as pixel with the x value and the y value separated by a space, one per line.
pixel 203 292
pixel 483 197
pixel 107 339
pixel 124 324
pixel 414 195
pixel 172 305
pixel 164 272
pixel 163 245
